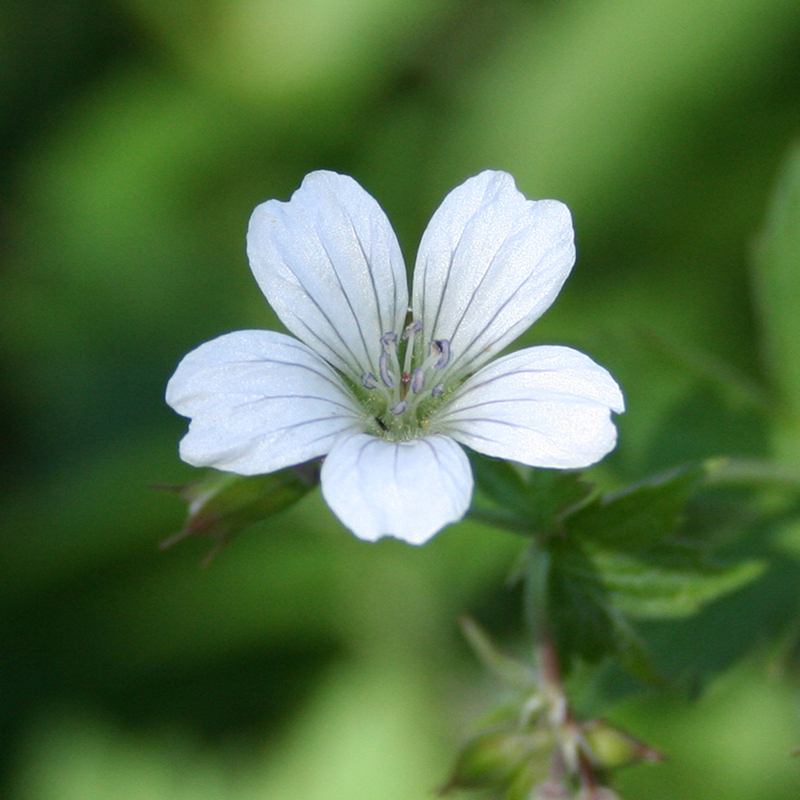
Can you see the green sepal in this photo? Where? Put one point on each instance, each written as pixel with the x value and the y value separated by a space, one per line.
pixel 612 748
pixel 534 772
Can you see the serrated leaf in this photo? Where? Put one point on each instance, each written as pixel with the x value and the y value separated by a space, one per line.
pixel 675 584
pixel 620 559
pixel 553 494
pixel 536 503
pixel 638 518
pixel 648 590
pixel 585 624
pixel 501 483
pixel 579 617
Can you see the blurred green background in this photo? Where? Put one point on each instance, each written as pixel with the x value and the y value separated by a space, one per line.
pixel 136 137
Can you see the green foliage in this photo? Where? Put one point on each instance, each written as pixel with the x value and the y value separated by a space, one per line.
pixel 599 563
pixel 637 518
pixel 533 503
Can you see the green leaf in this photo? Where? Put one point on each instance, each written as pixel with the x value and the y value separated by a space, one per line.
pixel 501 483
pixel 578 611
pixel 649 589
pixel 585 624
pixel 553 494
pixel 637 518
pixel 621 558
pixel 534 503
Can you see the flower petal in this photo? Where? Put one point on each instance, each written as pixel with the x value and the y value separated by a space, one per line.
pixel 542 406
pixel 259 401
pixel 409 490
pixel 329 263
pixel 490 263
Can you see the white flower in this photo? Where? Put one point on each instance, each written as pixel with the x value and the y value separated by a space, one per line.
pixel 387 393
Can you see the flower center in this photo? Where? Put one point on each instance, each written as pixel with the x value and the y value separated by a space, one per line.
pixel 405 396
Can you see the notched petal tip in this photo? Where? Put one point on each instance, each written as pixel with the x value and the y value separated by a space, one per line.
pixel 258 401
pixel 543 406
pixel 330 265
pixel 490 263
pixel 407 490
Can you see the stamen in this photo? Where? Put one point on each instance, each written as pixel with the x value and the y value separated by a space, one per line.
pixel 409 333
pixel 383 368
pixel 414 327
pixel 444 349
pixel 413 377
pixel 389 342
pixel 389 367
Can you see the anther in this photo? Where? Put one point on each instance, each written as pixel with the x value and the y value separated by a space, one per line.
pixel 418 381
pixel 368 380
pixel 383 365
pixel 389 342
pixel 414 327
pixel 443 346
pixel 399 408
pixel 437 390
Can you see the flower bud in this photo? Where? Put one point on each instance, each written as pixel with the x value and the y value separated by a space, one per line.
pixel 221 504
pixel 612 748
pixel 500 758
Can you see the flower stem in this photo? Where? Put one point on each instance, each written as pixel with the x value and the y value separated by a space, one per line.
pixel 571 757
pixel 536 577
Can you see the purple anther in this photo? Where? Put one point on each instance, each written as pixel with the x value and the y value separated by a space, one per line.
pixel 399 408
pixel 386 376
pixel 368 380
pixel 437 390
pixel 417 381
pixel 389 342
pixel 443 345
pixel 414 327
